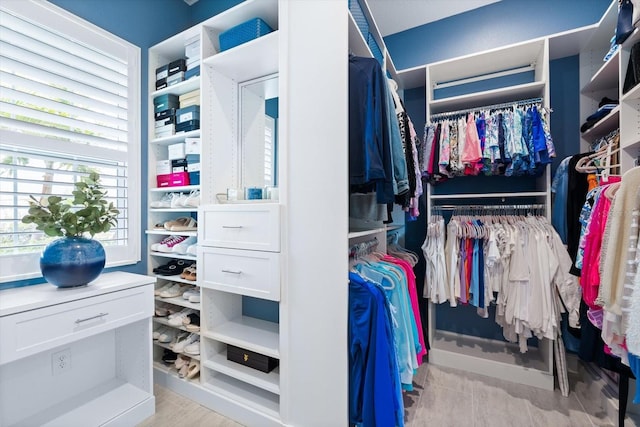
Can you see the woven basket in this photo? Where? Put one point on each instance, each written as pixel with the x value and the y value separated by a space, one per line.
pixel 243 33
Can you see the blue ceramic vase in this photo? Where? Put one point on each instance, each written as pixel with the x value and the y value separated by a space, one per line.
pixel 72 261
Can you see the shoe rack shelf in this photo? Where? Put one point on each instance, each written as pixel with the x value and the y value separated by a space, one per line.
pixel 172 255
pixel 165 322
pixel 181 189
pixel 168 347
pixel 178 301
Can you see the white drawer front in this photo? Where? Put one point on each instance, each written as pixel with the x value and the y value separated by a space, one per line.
pixel 30 332
pixel 253 227
pixel 251 273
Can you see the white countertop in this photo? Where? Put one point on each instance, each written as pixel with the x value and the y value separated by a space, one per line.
pixel 16 300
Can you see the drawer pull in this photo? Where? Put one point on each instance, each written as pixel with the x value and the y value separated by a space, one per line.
pixel 232 271
pixel 231 226
pixel 78 321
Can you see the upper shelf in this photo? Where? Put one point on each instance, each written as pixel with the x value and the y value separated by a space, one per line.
pixel 180 88
pixel 495 96
pixel 608 123
pixel 247 61
pixel 606 77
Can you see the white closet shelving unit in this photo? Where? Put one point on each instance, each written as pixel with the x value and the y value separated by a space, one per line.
pixel 629 111
pixel 311 77
pixel 494 358
pixel 159 55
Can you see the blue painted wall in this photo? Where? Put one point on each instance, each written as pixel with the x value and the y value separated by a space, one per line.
pixel 495 25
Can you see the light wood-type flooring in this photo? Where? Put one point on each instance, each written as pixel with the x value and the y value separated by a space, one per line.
pixel 444 398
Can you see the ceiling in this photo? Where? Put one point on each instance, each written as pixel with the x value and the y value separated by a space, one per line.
pixel 393 16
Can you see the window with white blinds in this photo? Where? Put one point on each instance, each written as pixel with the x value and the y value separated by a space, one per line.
pixel 69 105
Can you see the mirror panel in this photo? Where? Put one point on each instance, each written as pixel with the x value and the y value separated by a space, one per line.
pixel 259 136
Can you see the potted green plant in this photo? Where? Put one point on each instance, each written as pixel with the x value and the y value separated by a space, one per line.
pixel 75 259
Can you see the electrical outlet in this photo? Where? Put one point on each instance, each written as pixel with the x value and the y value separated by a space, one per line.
pixel 61 361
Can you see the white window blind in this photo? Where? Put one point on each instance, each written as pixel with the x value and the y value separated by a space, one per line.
pixel 69 99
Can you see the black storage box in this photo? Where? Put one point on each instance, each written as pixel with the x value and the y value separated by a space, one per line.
pixel 251 359
pixel 187 126
pixel 162 115
pixel 177 66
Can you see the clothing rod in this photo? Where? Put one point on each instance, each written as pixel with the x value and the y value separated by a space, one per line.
pixel 487 107
pixel 486 207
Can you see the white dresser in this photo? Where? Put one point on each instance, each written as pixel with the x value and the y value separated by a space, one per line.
pixel 77 357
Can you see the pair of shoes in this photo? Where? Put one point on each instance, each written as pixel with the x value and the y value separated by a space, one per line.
pixel 184 223
pixel 176 318
pixel 175 290
pixel 173 267
pixel 164 310
pixel 189 273
pixel 192 322
pixel 193 369
pixel 185 247
pixel 181 346
pixel 181 200
pixel 192 295
pixel 164 202
pixel 167 244
pixel 168 336
pixel 193 348
pixel 169 357
pixel 159 331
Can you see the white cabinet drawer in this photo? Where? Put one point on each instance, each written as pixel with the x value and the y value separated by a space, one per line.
pixel 253 227
pixel 251 273
pixel 29 332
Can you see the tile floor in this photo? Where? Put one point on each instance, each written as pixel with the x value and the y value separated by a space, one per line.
pixel 441 397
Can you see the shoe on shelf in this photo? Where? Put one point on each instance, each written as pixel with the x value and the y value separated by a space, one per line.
pixel 180 336
pixel 169 357
pixel 164 310
pixel 164 202
pixel 184 223
pixel 188 340
pixel 193 348
pixel 176 319
pixel 192 200
pixel 181 248
pixel 168 245
pixel 177 201
pixel 162 288
pixel 189 273
pixel 192 250
pixel 192 322
pixel 189 292
pixel 194 369
pixel 155 246
pixel 174 291
pixel 173 267
pixel 183 371
pixel 159 331
pixel 167 336
pixel 182 360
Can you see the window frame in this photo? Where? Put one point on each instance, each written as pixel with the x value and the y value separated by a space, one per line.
pixel 18 267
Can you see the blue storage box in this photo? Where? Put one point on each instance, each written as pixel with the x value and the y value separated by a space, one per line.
pixel 243 33
pixel 194 178
pixel 192 73
pixel 166 101
pixel 188 113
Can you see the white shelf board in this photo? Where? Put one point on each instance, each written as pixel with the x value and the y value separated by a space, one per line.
pixel 631 145
pixel 608 123
pixel 267 381
pixel 492 358
pixel 495 96
pixel 249 60
pixel 490 61
pixel 96 406
pixel 151 210
pixel 172 233
pixel 178 301
pixel 250 333
pixel 571 42
pixel 173 372
pixel 165 322
pixel 633 94
pixel 172 256
pixel 357 44
pixel 178 137
pixel 251 396
pixel 362 233
pixel 182 188
pixel 176 278
pixel 181 88
pixel 606 77
pixel 489 195
pixel 414 77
